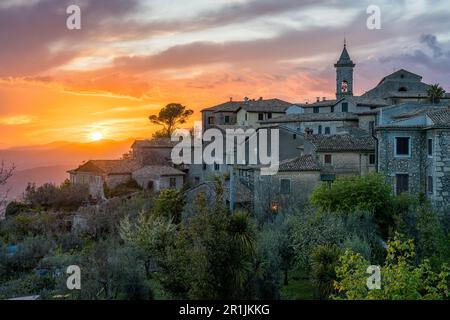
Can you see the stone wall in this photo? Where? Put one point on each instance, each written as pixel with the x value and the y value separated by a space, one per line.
pixel 267 191
pixel 346 163
pixel 413 165
pixel 441 168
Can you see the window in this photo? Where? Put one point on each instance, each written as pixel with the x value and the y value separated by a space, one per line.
pixel 402 89
pixel 197 180
pixel 227 119
pixel 430 147
pixel 173 182
pixel 285 186
pixel 204 166
pixel 274 207
pixel 402 183
pixel 269 115
pixel 260 116
pixel 294 136
pixel 430 184
pixel 344 106
pixel 402 146
pixel 332 108
pixel 372 158
pixel 216 167
pixel 327 130
pixel 246 117
pixel 327 159
pixel 211 120
pixel 316 109
pixel 319 130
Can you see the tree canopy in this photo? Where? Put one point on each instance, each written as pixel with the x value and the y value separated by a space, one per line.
pixel 170 117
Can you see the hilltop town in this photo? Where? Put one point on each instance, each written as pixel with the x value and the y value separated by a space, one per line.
pixel 400 128
pixel 361 183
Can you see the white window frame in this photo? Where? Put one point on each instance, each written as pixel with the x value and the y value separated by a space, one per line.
pixel 409 147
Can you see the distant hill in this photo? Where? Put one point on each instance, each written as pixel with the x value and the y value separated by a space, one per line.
pixel 19 181
pixel 49 162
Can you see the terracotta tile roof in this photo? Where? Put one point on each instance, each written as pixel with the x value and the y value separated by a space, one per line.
pixel 367 101
pixel 301 163
pixel 341 142
pixel 154 143
pixel 268 105
pixel 155 158
pixel 108 166
pixel 326 103
pixel 160 170
pixel 440 117
pixel 304 117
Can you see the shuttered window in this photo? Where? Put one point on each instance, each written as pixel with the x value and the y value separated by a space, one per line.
pixel 285 186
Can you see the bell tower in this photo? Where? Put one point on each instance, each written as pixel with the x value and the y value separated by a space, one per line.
pixel 344 74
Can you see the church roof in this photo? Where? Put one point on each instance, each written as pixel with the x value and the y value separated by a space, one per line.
pixel 402 74
pixel 344 59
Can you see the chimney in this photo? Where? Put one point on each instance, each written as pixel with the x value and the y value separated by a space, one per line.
pixel 260 98
pixel 324 98
pixel 231 99
pixel 318 99
pixel 245 99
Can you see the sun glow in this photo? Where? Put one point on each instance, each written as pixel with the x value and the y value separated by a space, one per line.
pixel 96 136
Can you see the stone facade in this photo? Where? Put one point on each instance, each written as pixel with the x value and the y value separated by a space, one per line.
pixel 427 164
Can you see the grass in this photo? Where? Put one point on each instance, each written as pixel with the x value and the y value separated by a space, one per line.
pixel 299 288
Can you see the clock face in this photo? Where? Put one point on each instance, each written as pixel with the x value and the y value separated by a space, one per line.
pixel 344 86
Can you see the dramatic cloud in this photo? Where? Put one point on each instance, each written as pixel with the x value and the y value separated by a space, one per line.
pixel 132 57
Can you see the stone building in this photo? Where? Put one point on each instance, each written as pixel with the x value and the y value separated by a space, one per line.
pixel 414 150
pixel 245 113
pixel 157 178
pixel 148 164
pixel 319 123
pixel 97 173
pixel 290 188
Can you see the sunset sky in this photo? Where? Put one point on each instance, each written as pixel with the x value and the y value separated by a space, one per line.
pixel 132 57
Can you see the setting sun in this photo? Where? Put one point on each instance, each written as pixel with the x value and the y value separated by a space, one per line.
pixel 96 136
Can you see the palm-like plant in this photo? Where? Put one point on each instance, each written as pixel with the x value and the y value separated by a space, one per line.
pixel 435 93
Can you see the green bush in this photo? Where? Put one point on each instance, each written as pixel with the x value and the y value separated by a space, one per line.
pixel 352 193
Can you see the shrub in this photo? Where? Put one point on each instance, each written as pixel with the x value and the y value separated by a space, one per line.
pixel 324 259
pixel 347 194
pixel 170 204
pixel 15 208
